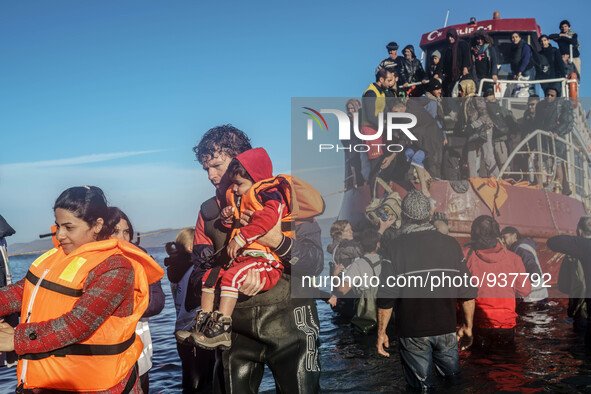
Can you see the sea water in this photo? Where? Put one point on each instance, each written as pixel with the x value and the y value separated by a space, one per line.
pixel 548 355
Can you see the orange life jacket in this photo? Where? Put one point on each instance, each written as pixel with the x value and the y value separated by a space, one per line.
pixel 53 284
pixel 302 201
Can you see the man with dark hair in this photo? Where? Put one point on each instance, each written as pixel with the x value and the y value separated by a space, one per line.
pixel 555 67
pixel 494 317
pixel 526 249
pixel 556 115
pixel 522 62
pixel 579 247
pixel 393 61
pixel 285 333
pixel 568 43
pixel 411 67
pixel 373 103
pixel 425 321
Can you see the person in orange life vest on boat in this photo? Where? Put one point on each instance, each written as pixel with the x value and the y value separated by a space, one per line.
pixel 81 299
pixel 123 229
pixel 253 186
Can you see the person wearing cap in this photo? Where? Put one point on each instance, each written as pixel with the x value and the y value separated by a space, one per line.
pixel 435 67
pixel 526 249
pixel 393 62
pixel 425 318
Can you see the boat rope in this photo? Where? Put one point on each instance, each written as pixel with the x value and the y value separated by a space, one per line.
pixel 551 212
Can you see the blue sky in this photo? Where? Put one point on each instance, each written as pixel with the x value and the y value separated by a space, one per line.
pixel 116 94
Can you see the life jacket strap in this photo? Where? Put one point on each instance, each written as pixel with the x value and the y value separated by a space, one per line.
pixel 54 286
pixel 79 349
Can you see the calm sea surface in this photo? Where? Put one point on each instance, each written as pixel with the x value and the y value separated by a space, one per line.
pixel 548 355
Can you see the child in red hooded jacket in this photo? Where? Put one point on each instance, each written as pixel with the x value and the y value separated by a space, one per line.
pixel 247 169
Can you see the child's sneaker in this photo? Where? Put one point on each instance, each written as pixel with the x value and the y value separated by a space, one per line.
pixel 217 333
pixel 200 321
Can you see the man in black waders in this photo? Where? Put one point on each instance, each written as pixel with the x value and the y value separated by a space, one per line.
pixel 274 327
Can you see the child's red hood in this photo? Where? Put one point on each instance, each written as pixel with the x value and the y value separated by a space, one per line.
pixel 257 163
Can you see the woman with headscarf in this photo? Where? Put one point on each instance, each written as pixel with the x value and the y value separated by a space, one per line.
pixel 487 258
pixel 478 128
pixel 456 61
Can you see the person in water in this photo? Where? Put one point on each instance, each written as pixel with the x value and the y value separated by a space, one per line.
pixel 289 343
pixel 247 169
pixel 84 296
pixel 123 229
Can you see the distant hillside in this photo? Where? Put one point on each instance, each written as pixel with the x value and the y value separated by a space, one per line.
pixel 149 241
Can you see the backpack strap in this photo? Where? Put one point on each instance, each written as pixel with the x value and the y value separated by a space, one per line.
pixel 372 265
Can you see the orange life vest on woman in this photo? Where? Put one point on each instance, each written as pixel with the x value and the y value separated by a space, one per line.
pixel 54 283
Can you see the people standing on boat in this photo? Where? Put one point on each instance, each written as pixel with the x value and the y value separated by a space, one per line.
pixel 526 249
pixel 123 229
pixel 484 58
pixel 424 323
pixel 502 120
pixel 70 312
pixel 393 62
pixel 455 61
pixel 196 363
pixel 522 62
pixel 527 124
pixel 556 116
pixel 429 144
pixel 374 104
pixel 289 342
pixel 353 177
pixel 569 67
pixel 478 128
pixel 568 43
pixel 411 69
pixel 486 257
pixel 555 68
pixel 435 67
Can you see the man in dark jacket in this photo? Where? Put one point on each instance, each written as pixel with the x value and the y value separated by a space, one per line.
pixel 6 358
pixel 393 61
pixel 522 63
pixel 411 69
pixel 555 67
pixel 456 61
pixel 526 249
pixel 568 41
pixel 425 319
pixel 556 115
pixel 579 247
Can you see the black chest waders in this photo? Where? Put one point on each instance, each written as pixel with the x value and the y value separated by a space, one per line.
pixel 269 328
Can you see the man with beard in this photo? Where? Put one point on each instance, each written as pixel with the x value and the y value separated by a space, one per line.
pixel 555 63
